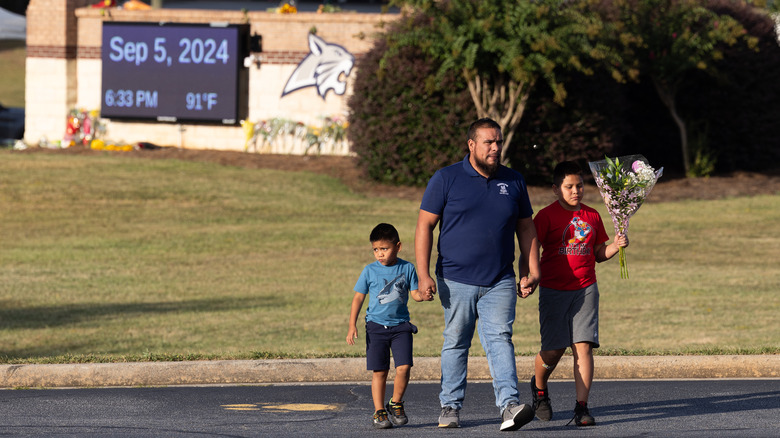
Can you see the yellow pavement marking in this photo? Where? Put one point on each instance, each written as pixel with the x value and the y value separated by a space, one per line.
pixel 284 407
pixel 301 407
pixel 241 407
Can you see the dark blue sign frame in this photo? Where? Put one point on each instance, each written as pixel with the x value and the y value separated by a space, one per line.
pixel 174 72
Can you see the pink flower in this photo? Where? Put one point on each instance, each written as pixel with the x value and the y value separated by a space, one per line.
pixel 637 166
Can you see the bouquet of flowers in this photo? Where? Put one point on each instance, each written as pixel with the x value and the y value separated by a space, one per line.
pixel 624 184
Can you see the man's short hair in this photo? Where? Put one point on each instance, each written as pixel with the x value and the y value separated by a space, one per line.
pixel 563 169
pixel 384 232
pixel 482 123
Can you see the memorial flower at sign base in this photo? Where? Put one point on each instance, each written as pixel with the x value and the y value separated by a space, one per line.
pixel 287 8
pixel 624 184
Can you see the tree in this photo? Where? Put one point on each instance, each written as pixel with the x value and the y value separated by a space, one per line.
pixel 504 48
pixel 401 128
pixel 668 39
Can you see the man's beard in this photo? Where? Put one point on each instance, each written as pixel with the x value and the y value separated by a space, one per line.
pixel 485 167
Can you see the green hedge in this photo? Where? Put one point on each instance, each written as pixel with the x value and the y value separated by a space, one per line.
pixel 403 127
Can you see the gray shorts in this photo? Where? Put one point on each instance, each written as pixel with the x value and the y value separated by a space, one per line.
pixel 569 317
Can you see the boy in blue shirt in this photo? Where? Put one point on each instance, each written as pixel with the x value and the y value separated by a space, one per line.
pixel 388 282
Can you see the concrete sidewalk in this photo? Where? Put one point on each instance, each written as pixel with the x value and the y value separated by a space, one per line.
pixel 233 372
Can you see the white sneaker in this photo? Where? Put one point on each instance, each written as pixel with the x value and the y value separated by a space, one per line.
pixel 516 416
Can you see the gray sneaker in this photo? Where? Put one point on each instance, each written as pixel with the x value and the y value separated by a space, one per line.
pixel 396 413
pixel 380 420
pixel 516 416
pixel 450 417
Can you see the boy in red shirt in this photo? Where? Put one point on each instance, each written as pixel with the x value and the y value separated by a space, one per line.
pixel 573 240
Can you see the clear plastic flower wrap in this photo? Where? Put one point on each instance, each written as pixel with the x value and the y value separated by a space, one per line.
pixel 624 183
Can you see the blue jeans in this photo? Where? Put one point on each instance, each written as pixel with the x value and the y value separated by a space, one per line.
pixel 492 310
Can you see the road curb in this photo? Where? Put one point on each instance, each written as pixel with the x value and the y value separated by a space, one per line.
pixel 232 372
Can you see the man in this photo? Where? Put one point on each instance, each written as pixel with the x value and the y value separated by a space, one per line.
pixel 480 207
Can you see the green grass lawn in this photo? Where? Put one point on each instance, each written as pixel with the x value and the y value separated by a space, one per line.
pixel 112 258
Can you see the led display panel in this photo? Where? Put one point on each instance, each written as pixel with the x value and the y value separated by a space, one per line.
pixel 171 72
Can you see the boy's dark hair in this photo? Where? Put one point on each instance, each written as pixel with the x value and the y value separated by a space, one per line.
pixel 563 169
pixel 384 232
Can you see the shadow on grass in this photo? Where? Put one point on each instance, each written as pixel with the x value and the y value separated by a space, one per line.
pixel 54 316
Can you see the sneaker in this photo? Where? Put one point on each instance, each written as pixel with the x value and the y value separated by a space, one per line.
pixel 582 416
pixel 381 421
pixel 396 413
pixel 516 416
pixel 450 417
pixel 542 406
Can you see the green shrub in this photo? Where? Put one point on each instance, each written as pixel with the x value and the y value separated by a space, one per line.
pixel 740 106
pixel 403 126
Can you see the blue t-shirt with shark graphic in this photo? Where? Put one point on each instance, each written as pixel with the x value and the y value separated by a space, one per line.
pixel 388 291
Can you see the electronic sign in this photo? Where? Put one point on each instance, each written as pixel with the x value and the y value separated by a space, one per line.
pixel 173 72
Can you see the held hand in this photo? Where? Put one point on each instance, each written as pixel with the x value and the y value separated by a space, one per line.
pixel 522 289
pixel 621 240
pixel 526 286
pixel 427 287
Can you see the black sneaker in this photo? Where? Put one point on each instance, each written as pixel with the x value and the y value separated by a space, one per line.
pixel 396 413
pixel 582 416
pixel 450 417
pixel 516 416
pixel 381 421
pixel 542 406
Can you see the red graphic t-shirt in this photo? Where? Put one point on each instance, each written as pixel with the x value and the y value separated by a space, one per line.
pixel 568 239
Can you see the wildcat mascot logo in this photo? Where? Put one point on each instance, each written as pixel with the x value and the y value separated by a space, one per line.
pixel 322 68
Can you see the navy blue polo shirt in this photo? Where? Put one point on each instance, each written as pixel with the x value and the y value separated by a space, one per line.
pixel 478 221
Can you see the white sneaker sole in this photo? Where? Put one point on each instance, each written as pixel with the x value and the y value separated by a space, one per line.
pixel 521 418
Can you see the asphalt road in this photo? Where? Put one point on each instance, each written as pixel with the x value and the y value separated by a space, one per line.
pixel 624 408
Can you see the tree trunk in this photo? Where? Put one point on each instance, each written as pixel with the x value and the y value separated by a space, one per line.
pixel 503 102
pixel 668 97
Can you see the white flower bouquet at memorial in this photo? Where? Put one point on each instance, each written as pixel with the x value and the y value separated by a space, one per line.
pixel 624 184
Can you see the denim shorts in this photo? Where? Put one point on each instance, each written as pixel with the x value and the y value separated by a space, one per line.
pixel 381 339
pixel 569 317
